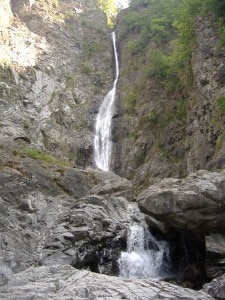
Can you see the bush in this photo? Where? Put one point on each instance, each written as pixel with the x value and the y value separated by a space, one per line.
pixel 220 104
pixel 87 68
pixel 38 155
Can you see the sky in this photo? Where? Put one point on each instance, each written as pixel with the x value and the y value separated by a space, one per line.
pixel 123 3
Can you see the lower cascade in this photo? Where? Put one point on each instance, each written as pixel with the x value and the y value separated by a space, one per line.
pixel 146 257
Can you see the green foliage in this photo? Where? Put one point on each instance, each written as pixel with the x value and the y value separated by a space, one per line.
pixel 171 21
pixel 86 68
pixel 220 105
pixel 178 113
pixel 71 79
pixel 139 157
pixel 131 100
pixel 90 48
pixel 38 155
pixel 109 7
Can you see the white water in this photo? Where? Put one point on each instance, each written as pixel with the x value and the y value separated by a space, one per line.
pixel 102 142
pixel 145 255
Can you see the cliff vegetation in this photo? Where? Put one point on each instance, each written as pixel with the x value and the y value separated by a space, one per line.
pixel 171 88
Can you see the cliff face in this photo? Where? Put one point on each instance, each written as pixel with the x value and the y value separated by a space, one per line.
pixel 162 134
pixel 55 67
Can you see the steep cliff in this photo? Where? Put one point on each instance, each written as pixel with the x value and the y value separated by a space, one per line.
pixel 55 68
pixel 165 129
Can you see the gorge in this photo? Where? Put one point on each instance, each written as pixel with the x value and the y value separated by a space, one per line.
pixel 70 230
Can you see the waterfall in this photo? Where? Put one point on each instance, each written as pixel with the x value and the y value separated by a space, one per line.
pixel 146 257
pixel 102 142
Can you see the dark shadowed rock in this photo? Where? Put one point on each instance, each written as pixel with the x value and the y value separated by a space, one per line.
pixel 215 255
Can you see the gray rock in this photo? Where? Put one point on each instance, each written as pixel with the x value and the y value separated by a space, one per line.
pixel 216 288
pixel 74 183
pixel 215 255
pixel 94 231
pixel 110 184
pixel 65 282
pixel 195 203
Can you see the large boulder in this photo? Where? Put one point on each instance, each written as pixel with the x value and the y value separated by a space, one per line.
pixel 195 203
pixel 108 183
pixel 65 282
pixel 90 235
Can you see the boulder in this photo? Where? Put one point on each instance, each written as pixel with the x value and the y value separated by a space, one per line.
pixel 216 288
pixel 110 183
pixel 90 235
pixel 65 282
pixel 215 255
pixel 195 203
pixel 75 183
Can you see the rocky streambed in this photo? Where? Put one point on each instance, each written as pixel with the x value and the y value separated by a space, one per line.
pixel 57 219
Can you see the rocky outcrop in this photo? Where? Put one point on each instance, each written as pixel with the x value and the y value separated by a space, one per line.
pixel 91 235
pixel 189 210
pixel 50 215
pixel 162 134
pixel 55 68
pixel 215 255
pixel 195 203
pixel 216 288
pixel 61 282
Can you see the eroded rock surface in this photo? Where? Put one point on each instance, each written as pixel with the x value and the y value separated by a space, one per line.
pixel 195 203
pixel 215 255
pixel 65 282
pixel 216 288
pixel 55 69
pixel 49 214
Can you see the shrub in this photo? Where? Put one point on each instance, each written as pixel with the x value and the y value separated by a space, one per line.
pixel 220 104
pixel 87 68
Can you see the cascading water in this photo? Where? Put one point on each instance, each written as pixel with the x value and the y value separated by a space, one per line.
pixel 102 142
pixel 146 257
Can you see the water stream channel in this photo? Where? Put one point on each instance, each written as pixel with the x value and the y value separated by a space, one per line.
pixel 145 255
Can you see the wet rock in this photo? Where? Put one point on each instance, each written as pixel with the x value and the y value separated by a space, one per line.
pixel 215 255
pixel 65 282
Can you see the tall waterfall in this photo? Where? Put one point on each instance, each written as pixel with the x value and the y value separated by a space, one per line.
pixel 146 257
pixel 102 142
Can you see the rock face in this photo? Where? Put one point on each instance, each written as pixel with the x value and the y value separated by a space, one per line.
pixel 194 207
pixel 157 133
pixel 195 203
pixel 216 288
pixel 55 68
pixel 58 215
pixel 63 282
pixel 215 255
pixel 90 236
